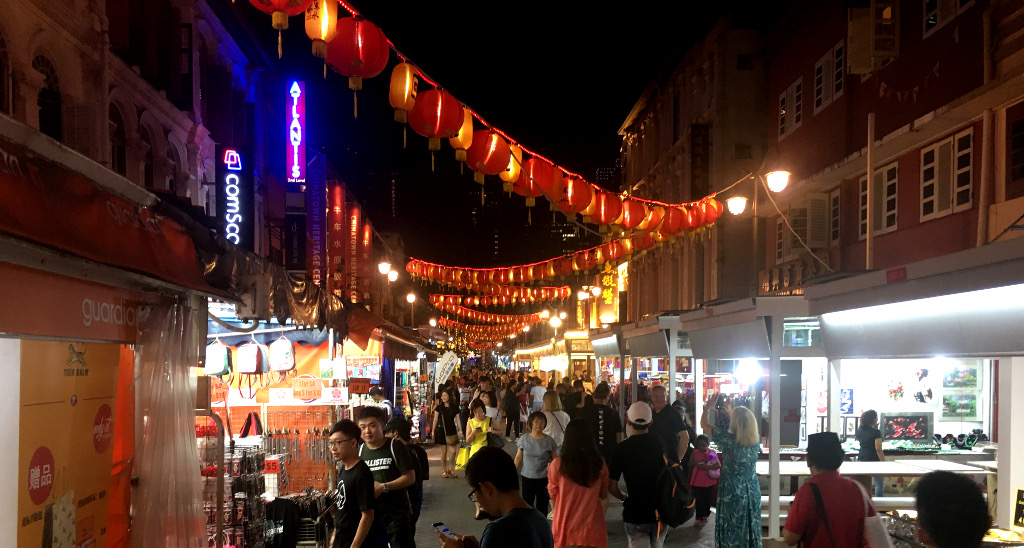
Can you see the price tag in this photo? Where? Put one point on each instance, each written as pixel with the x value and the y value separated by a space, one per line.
pixel 307 389
pixel 358 386
pixel 218 390
pixel 272 466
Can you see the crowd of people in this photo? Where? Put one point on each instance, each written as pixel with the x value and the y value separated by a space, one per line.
pixel 570 454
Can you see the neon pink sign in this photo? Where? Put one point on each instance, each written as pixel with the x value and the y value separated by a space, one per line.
pixel 296 162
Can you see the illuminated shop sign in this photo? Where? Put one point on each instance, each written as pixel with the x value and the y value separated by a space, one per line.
pixel 296 162
pixel 234 195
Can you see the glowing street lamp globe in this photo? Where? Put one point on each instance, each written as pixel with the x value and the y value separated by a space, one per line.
pixel 392 275
pixel 777 180
pixel 411 297
pixel 736 204
pixel 384 267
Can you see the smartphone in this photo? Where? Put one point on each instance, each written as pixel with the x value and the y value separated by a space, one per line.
pixel 443 529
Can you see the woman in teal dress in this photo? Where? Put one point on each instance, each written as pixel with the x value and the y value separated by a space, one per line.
pixel 738 513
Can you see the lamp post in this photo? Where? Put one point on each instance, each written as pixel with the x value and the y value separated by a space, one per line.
pixel 776 181
pixel 411 297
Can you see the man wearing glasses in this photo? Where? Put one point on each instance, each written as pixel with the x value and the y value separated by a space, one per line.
pixel 492 475
pixel 355 503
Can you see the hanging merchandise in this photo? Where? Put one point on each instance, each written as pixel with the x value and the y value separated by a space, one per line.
pixel 218 360
pixel 280 11
pixel 282 355
pixel 252 362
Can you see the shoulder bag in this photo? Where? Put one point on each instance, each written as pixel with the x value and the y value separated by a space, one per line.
pixel 494 440
pixel 820 509
pixel 875 535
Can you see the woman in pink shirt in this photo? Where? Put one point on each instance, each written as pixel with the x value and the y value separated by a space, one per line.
pixel 706 469
pixel 578 485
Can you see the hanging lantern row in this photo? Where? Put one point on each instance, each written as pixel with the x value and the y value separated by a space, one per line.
pixel 485 333
pixel 486 317
pixel 515 296
pixel 667 224
pixel 356 48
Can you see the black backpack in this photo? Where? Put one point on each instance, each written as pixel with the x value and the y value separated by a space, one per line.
pixel 675 501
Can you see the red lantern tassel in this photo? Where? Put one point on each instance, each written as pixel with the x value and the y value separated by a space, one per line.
pixel 481 195
pixel 279 50
pixel 431 161
pixel 404 138
pixel 529 216
pixel 355 105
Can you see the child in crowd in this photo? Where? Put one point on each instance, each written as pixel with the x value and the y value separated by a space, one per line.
pixel 706 469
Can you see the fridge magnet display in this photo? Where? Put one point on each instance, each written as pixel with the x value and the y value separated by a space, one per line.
pixel 960 406
pixel 961 377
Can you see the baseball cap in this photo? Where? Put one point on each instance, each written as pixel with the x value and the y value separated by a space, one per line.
pixel 639 413
pixel 400 425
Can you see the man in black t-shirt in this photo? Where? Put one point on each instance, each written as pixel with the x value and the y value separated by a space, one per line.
pixel 355 506
pixel 603 422
pixel 393 472
pixel 491 473
pixel 669 426
pixel 640 458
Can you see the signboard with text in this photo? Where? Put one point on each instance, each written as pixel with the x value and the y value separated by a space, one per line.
pixel 337 237
pixel 358 386
pixel 295 164
pixel 316 220
pixel 307 389
pixel 235 195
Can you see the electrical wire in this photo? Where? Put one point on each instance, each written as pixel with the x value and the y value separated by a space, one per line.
pixel 790 227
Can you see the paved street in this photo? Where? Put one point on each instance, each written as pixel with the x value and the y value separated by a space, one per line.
pixel 446 500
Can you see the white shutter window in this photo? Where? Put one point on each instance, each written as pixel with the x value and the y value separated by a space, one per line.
pixel 796 92
pixel 885 187
pixel 838 69
pixel 962 170
pixel 862 208
pixel 783 108
pixel 833 217
pixel 781 242
pixel 823 73
pixel 817 235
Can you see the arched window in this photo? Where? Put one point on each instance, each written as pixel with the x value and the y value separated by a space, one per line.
pixel 6 81
pixel 173 165
pixel 51 118
pixel 118 141
pixel 147 159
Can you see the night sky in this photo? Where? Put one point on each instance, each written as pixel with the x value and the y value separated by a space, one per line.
pixel 559 77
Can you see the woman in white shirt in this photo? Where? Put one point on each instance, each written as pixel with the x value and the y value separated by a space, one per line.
pixel 557 419
pixel 490 405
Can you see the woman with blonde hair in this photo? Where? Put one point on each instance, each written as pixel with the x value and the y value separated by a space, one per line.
pixel 557 419
pixel 738 513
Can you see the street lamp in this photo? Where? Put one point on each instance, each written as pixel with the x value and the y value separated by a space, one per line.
pixel 433 322
pixel 384 267
pixel 411 297
pixel 776 181
pixel 392 275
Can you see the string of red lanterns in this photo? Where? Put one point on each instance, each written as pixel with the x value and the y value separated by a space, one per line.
pixel 516 294
pixel 357 49
pixel 486 317
pixel 661 224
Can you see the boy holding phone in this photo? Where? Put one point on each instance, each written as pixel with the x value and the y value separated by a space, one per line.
pixel 354 526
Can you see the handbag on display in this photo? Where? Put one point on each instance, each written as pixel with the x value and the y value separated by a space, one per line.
pixel 218 360
pixel 282 355
pixel 875 533
pixel 252 359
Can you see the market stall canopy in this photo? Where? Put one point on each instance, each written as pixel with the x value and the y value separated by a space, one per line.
pixel 58 199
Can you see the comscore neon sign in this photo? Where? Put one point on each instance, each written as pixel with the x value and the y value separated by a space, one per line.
pixel 234 195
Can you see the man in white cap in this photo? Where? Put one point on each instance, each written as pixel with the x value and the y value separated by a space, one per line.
pixel 640 458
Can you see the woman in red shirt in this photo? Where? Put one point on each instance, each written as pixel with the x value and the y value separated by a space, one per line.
pixel 578 483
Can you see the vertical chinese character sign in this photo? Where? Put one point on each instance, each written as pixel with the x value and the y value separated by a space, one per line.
pixel 337 237
pixel 295 163
pixel 352 245
pixel 365 259
pixel 66 431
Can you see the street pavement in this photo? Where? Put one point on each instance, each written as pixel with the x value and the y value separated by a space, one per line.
pixel 446 500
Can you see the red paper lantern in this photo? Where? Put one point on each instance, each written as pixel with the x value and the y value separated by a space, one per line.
pixel 533 170
pixel 436 115
pixel 673 222
pixel 712 210
pixel 655 215
pixel 577 196
pixel 280 11
pixel 695 216
pixel 488 155
pixel 633 213
pixel 556 188
pixel 609 208
pixel 359 50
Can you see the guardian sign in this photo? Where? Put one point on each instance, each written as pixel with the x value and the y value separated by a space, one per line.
pixel 234 195
pixel 295 164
